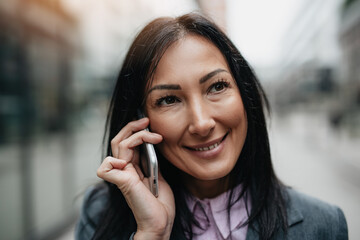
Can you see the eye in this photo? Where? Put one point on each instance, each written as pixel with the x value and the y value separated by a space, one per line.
pixel 218 86
pixel 167 100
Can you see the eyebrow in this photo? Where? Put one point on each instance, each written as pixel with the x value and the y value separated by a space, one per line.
pixel 165 87
pixel 177 87
pixel 211 74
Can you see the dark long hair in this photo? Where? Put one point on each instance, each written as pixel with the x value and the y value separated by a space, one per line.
pixel 253 169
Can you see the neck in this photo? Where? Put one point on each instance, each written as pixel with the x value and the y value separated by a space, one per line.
pixel 206 188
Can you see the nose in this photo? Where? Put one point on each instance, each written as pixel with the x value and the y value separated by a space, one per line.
pixel 201 120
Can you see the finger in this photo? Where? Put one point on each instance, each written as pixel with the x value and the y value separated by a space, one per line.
pixel 127 131
pixel 124 178
pixel 126 147
pixel 110 164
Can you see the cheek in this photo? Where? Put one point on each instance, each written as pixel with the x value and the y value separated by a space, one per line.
pixel 234 114
pixel 236 119
pixel 167 127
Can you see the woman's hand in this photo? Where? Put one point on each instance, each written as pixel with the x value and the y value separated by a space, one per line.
pixel 154 216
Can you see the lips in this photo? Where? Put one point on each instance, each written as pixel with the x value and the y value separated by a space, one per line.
pixel 207 146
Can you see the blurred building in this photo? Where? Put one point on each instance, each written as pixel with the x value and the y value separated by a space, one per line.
pixel 350 61
pixel 320 58
pixel 216 9
pixel 310 53
pixel 37 49
pixel 38 45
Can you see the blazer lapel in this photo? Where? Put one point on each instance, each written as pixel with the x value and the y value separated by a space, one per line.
pixel 294 216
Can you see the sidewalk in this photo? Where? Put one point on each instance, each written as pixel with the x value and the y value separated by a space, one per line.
pixel 316 133
pixel 310 157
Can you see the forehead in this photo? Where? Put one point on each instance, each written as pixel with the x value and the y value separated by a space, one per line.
pixel 189 57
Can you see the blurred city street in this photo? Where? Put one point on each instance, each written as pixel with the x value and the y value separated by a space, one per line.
pixel 59 62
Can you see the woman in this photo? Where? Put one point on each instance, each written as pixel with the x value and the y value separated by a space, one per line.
pixel 204 108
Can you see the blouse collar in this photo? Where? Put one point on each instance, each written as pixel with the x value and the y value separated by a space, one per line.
pixel 217 208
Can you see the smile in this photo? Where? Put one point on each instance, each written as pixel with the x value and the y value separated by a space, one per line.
pixel 208 147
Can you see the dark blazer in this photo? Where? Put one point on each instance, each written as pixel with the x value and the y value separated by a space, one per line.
pixel 308 219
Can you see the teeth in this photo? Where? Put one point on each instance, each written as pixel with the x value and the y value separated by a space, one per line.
pixel 207 148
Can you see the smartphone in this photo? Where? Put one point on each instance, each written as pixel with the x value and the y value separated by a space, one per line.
pixel 149 162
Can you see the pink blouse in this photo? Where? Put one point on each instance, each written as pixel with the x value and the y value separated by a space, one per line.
pixel 213 218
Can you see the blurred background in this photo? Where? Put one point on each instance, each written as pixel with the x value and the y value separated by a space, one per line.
pixel 58 65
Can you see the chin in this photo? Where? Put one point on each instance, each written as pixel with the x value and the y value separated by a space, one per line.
pixel 211 175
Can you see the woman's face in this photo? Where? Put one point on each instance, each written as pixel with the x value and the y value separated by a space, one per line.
pixel 194 103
